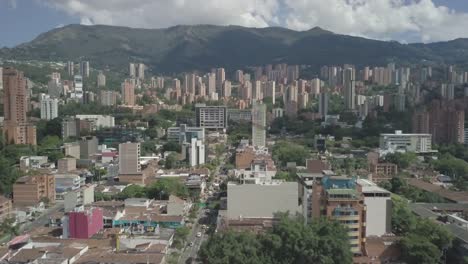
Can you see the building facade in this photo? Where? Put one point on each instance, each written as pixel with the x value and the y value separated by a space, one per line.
pixel 214 117
pixel 342 200
pixel 16 128
pixel 129 158
pixel 49 107
pixel 31 190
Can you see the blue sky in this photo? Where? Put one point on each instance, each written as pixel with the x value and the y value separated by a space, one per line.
pixel 23 20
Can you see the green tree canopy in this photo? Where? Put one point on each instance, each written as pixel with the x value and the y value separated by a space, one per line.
pixel 289 241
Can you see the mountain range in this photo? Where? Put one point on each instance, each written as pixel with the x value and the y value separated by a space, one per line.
pixel 201 47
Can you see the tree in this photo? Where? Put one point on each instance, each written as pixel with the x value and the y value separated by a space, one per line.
pixel 418 250
pixel 8 227
pixel 170 161
pixel 403 160
pixel 181 234
pixel 232 247
pixel 132 191
pixel 403 220
pixel 289 241
pixel 165 187
pixel 284 152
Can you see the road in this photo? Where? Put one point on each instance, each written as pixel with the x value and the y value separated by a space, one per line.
pixel 190 252
pixel 42 220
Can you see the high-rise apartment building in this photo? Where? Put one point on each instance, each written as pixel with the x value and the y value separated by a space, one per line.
pixel 108 98
pixel 78 87
pixel 245 92
pixel 214 117
pixel 349 75
pixel 220 78
pixel 444 120
pixel 257 91
pixel 258 124
pixel 101 79
pixel 128 93
pixel 71 68
pixel 132 70
pixel 226 91
pixel 323 104
pixel 196 152
pixel 16 128
pixel 210 82
pixel 340 199
pixel 141 71
pixel 49 107
pixel 239 76
pixel 129 158
pixel 84 69
pixel 33 189
pixel 270 91
pixel 189 84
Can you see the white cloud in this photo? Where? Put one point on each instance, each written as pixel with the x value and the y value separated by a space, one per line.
pixel 381 19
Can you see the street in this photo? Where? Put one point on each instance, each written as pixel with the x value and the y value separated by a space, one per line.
pixel 42 220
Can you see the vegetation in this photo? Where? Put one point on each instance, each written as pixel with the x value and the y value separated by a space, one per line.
pixel 8 227
pixel 100 45
pixel 402 160
pixel 423 241
pixel 401 187
pixel 289 241
pixel 284 152
pixel 453 167
pixel 160 190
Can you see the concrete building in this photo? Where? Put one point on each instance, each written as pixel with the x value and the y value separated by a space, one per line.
pixel 66 165
pixel 79 197
pixel 88 147
pixel 100 121
pixel 196 152
pixel 32 162
pixel 220 78
pixel 211 117
pixel 65 182
pixel 84 224
pixel 258 125
pixel 71 150
pixel 101 79
pixel 132 70
pixel 349 79
pixel 262 200
pixel 129 158
pixel 341 199
pixel 16 129
pixel 323 104
pixel 378 202
pixel 71 68
pixel 31 190
pixel 400 142
pixel 78 88
pixel 128 93
pixel 184 133
pixel 5 208
pixel 84 69
pixel 108 98
pixel 49 107
pixel 141 71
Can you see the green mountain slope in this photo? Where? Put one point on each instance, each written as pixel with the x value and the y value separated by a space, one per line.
pixel 202 47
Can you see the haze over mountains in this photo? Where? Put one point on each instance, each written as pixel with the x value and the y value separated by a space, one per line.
pixel 185 48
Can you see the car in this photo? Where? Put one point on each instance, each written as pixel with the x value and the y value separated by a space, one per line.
pixel 199 234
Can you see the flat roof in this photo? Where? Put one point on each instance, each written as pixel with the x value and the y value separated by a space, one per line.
pixel 370 187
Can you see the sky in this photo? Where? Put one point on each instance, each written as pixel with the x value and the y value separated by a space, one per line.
pixel 405 21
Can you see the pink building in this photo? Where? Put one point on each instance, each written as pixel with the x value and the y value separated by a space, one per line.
pixel 86 223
